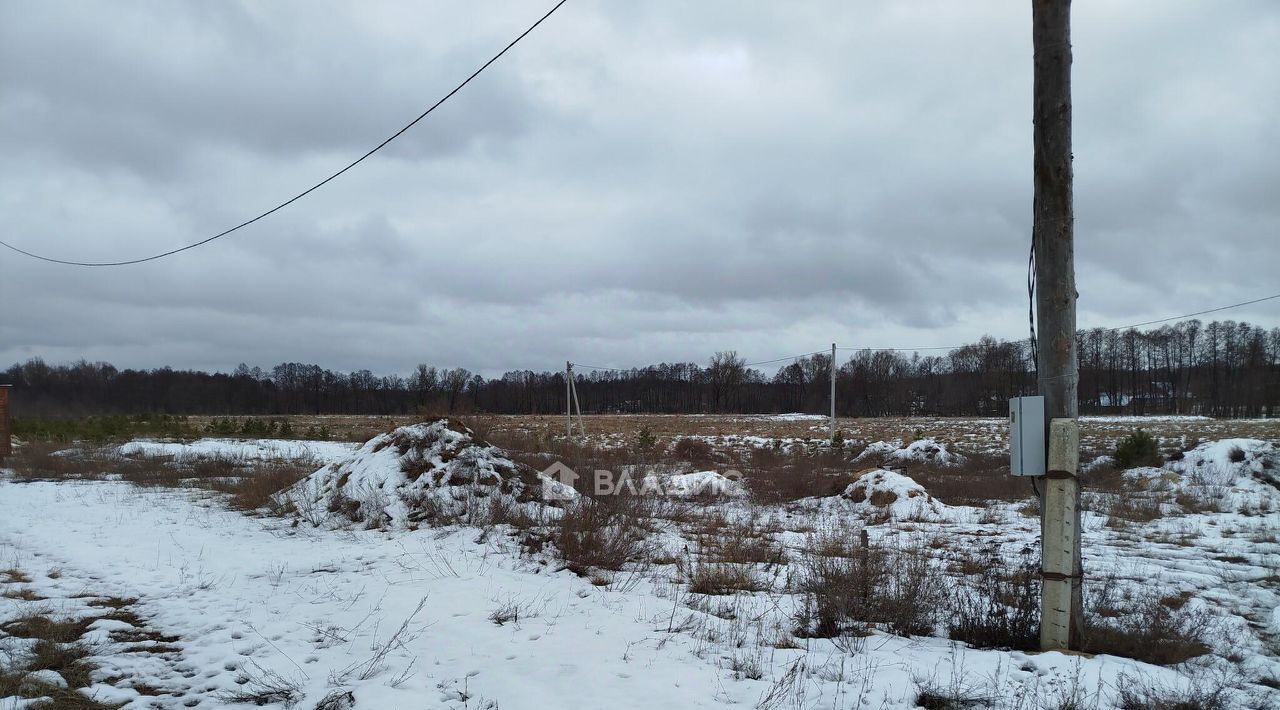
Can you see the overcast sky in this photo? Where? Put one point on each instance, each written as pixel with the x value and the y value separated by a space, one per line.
pixel 635 182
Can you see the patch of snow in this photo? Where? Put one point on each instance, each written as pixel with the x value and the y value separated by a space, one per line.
pixel 699 483
pixel 1139 419
pixel 46 677
pixel 246 449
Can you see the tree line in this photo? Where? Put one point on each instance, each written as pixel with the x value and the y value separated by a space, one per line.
pixel 1222 369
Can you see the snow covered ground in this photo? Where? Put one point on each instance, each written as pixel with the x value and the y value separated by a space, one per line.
pixel 459 617
pixel 246 449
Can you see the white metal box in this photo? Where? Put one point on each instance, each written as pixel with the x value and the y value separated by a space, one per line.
pixel 1026 436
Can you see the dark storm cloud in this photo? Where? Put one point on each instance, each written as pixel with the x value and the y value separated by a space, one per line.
pixel 635 182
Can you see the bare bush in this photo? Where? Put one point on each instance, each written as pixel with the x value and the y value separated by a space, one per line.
pixel 848 582
pixel 1001 609
pixel 602 533
pixel 1136 693
pixel 721 578
pixel 974 480
pixel 1151 631
pixel 263 686
pixel 695 451
pixel 1133 509
pixel 256 488
pixel 774 476
pixel 739 540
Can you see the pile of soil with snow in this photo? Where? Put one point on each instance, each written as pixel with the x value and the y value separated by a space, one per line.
pixel 423 474
pixel 920 450
pixel 699 484
pixel 877 491
pixel 1237 474
pixel 1232 461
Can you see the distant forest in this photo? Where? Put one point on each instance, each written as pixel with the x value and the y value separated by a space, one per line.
pixel 1222 369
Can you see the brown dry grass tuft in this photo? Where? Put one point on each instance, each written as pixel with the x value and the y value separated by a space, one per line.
pixel 602 534
pixel 13 575
pixel 716 578
pixel 849 582
pixel 975 481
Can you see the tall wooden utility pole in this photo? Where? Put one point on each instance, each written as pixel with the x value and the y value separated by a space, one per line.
pixel 568 400
pixel 1061 618
pixel 833 392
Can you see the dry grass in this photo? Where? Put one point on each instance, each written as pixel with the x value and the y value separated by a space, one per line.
pixel 1001 607
pixel 714 578
pixel 1145 694
pixel 1132 509
pixel 602 534
pixel 1152 631
pixel 56 648
pixel 773 476
pixel 974 481
pixel 13 575
pixel 249 483
pixel 25 594
pixel 849 583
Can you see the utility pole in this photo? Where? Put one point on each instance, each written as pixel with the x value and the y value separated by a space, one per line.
pixel 582 428
pixel 833 392
pixel 568 400
pixel 1053 235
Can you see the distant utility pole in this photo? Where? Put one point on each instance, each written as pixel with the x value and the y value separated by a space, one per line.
pixel 1053 235
pixel 833 392
pixel 570 403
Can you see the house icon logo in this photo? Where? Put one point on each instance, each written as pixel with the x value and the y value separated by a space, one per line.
pixel 557 483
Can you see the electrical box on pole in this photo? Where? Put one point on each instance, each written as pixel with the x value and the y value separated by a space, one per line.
pixel 1027 455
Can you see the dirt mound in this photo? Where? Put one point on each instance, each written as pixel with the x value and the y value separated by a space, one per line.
pixel 887 492
pixel 920 450
pixel 423 474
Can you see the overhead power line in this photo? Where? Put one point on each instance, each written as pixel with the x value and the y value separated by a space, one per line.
pixel 745 364
pixel 309 190
pixel 1197 313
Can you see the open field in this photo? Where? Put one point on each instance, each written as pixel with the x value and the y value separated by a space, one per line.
pixel 426 569
pixel 1098 434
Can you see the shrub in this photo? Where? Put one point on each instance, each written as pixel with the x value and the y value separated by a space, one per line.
pixel 1003 609
pixel 1137 449
pixel 1143 694
pixel 692 450
pixel 645 440
pixel 604 533
pixel 720 578
pixel 848 582
pixel 1236 455
pixel 774 476
pixel 1133 509
pixel 1152 631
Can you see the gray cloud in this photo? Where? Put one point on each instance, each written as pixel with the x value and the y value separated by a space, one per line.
pixel 635 182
